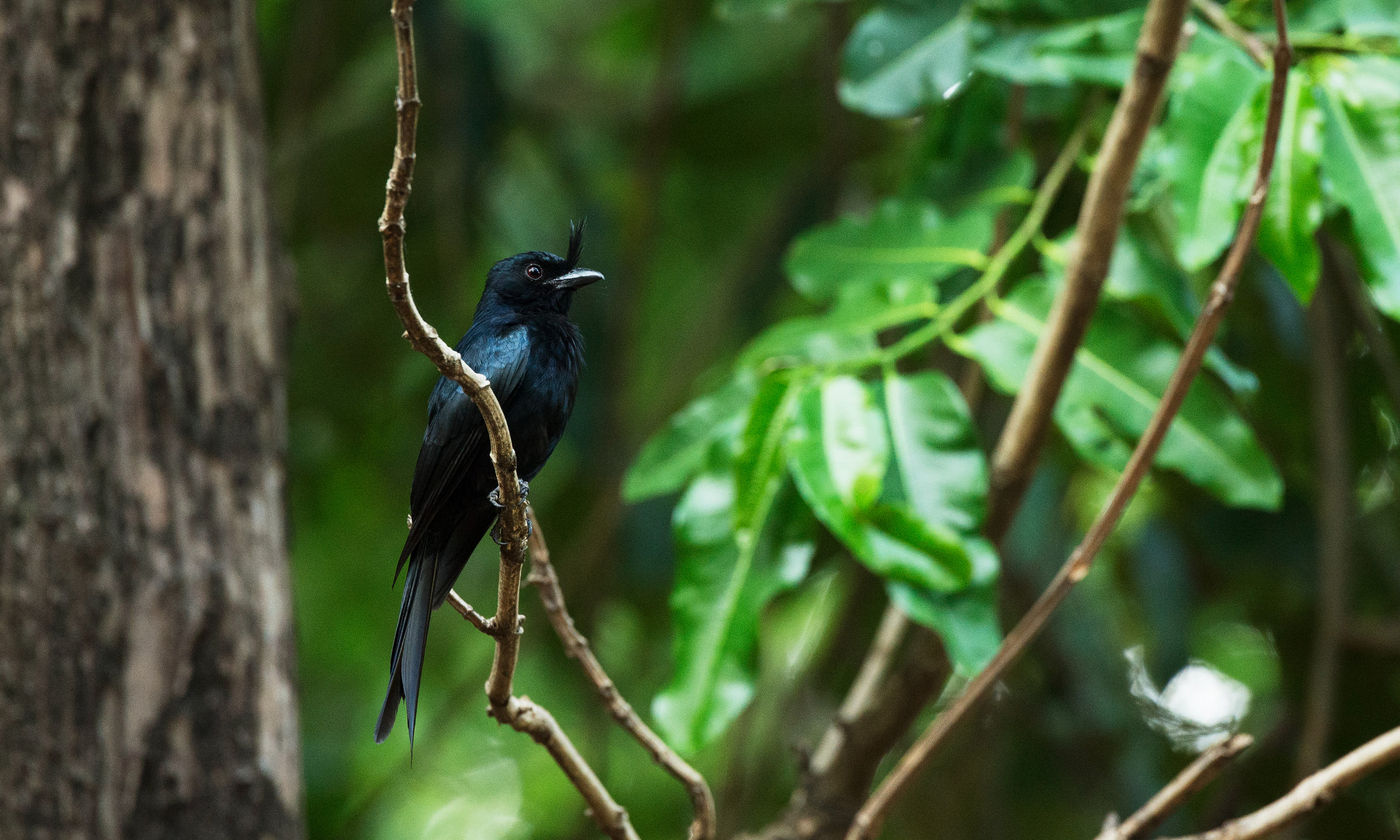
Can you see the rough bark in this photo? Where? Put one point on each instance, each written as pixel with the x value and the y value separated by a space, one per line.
pixel 146 652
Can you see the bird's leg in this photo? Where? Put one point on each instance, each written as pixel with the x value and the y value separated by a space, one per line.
pixel 494 497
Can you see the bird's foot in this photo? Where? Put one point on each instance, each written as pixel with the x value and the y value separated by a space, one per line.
pixel 495 495
pixel 499 539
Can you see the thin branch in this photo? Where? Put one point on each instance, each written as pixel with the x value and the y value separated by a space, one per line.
pixel 546 580
pixel 524 715
pixel 872 814
pixel 1014 460
pixel 518 712
pixel 449 362
pixel 1192 778
pixel 1311 793
pixel 467 611
pixel 1220 19
pixel 1332 442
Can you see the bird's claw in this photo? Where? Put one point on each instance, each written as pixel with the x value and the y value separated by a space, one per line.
pixel 499 539
pixel 494 497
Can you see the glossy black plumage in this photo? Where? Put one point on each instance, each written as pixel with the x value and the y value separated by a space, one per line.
pixel 522 341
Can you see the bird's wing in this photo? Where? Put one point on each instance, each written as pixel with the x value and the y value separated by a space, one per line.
pixel 456 434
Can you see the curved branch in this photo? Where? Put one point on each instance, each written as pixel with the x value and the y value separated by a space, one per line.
pixel 449 362
pixel 543 576
pixel 519 713
pixel 872 814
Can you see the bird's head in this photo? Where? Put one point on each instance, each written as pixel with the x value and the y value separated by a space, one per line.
pixel 537 280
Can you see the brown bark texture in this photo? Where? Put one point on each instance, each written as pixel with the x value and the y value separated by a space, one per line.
pixel 146 650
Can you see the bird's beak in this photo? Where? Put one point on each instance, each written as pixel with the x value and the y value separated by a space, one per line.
pixel 576 279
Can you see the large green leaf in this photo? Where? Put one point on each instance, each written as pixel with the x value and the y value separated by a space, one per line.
pixel 966 621
pixel 1117 380
pixel 902 240
pixel 838 455
pixel 901 56
pixel 1361 161
pixel 941 469
pixel 1096 51
pixel 680 449
pixel 1210 122
pixel 722 584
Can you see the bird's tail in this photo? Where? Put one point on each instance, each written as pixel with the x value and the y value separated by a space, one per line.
pixel 410 641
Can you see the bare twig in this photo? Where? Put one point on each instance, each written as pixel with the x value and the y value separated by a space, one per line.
pixel 544 578
pixel 518 712
pixel 1311 793
pixel 872 814
pixel 1332 442
pixel 1014 460
pixel 467 611
pixel 526 716
pixel 1192 778
pixel 1220 19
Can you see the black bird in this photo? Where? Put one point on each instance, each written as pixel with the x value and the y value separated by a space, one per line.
pixel 523 341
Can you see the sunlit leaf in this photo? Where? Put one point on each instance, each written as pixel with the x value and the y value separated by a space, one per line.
pixel 1118 378
pixel 1361 162
pixel 838 455
pixel 902 240
pixel 901 56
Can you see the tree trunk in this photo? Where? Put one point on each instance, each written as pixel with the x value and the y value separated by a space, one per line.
pixel 146 652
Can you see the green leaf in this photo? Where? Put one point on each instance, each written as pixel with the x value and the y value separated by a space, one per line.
pixel 1360 100
pixel 941 469
pixel 1097 51
pixel 1293 209
pixel 1143 270
pixel 838 454
pixel 1353 18
pixel 966 621
pixel 681 448
pixel 722 585
pixel 1117 380
pixel 848 331
pixel 1209 125
pixel 902 240
pixel 901 56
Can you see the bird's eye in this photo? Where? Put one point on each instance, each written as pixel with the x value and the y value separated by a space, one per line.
pixel 533 271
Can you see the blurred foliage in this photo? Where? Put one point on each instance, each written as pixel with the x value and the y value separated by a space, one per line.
pixel 818 457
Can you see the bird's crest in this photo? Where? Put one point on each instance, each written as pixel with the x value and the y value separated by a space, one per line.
pixel 575 245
